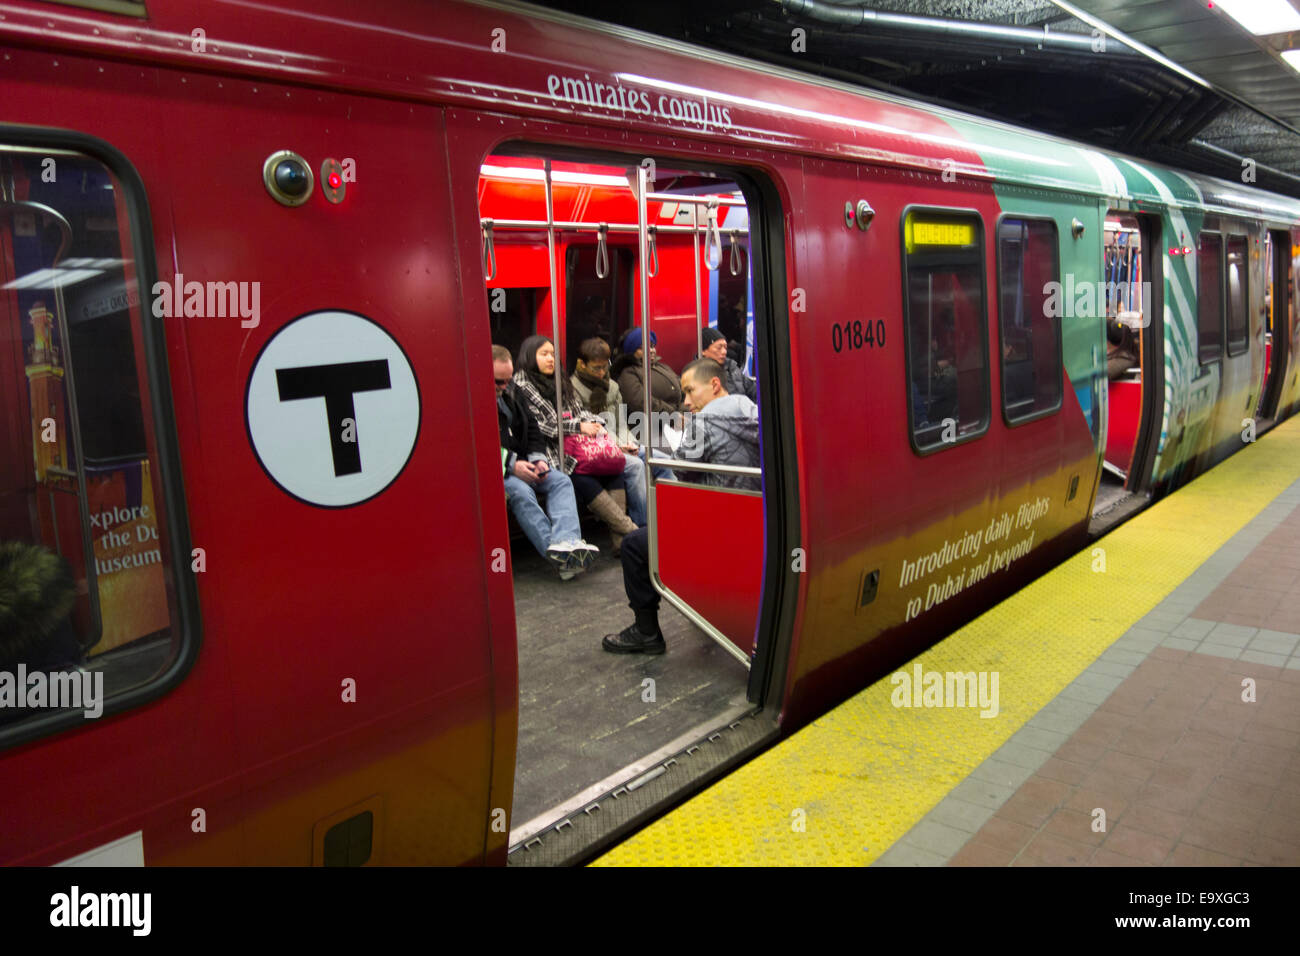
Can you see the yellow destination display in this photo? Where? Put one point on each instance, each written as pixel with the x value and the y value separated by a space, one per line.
pixel 941 233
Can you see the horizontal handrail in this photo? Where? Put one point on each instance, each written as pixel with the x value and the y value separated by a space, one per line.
pixel 685 464
pixel 595 226
pixel 698 200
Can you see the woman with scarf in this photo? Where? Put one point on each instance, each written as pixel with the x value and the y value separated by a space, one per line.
pixel 618 500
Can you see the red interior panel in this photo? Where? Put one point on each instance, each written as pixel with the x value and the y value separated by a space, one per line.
pixel 711 555
pixel 1125 414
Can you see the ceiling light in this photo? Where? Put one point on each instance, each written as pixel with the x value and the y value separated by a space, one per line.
pixel 557 175
pixel 1293 58
pixel 1262 17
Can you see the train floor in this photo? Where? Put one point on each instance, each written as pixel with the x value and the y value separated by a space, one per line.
pixel 585 715
pixel 1147 713
pixel 1110 493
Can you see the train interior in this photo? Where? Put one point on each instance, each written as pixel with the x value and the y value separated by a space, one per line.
pixel 1126 264
pixel 591 721
pixel 1277 302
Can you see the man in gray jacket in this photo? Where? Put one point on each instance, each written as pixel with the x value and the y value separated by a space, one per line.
pixel 723 429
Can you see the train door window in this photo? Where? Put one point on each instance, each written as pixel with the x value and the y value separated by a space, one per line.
pixel 1238 295
pixel 1209 296
pixel 946 328
pixel 83 535
pixel 514 314
pixel 1030 328
pixel 574 734
pixel 598 301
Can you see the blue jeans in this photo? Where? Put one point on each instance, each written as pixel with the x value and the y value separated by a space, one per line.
pixel 659 471
pixel 634 479
pixel 560 504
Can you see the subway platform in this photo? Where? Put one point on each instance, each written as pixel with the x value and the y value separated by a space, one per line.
pixel 1148 715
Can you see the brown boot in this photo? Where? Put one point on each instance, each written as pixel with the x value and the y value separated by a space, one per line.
pixel 611 508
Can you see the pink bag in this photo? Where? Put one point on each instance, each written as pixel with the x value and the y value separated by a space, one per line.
pixel 595 454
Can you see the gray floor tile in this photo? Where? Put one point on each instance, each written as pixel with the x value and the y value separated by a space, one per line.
pixel 1193 628
pixel 1219 650
pixel 961 814
pixel 1259 657
pixel 1233 635
pixel 937 838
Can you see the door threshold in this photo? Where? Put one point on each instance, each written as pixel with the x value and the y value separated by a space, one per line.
pixel 629 776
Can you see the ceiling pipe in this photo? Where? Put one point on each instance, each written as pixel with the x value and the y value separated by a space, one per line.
pixel 955 29
pixel 1237 162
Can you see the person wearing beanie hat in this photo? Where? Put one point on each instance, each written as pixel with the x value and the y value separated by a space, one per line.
pixel 665 386
pixel 632 343
pixel 737 382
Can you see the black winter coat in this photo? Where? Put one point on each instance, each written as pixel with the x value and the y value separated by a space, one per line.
pixel 520 434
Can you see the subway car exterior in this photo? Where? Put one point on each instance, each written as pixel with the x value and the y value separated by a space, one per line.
pixel 297 658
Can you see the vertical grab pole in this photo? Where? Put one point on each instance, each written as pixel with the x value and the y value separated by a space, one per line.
pixel 643 277
pixel 557 331
pixel 699 307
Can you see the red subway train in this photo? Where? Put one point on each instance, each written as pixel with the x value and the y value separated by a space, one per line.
pixel 253 261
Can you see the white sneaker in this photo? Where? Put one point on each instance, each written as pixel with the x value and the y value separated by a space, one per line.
pixel 584 552
pixel 560 552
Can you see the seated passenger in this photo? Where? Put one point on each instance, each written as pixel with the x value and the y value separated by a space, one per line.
pixel 943 386
pixel 723 429
pixel 665 395
pixel 523 459
pixel 37 592
pixel 1121 351
pixel 598 394
pixel 591 380
pixel 918 407
pixel 618 500
pixel 736 381
pixel 725 433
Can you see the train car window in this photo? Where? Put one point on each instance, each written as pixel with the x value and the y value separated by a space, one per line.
pixel 946 328
pixel 597 306
pixel 1238 295
pixel 1030 333
pixel 513 313
pixel 1209 296
pixel 86 607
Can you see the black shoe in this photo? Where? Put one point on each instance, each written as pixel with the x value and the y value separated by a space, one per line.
pixel 631 640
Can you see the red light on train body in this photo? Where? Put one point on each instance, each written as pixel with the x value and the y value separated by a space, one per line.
pixel 331 177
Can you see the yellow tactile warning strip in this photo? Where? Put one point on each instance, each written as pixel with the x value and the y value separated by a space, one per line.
pixel 846 787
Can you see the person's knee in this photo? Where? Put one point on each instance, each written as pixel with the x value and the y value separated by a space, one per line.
pixel 520 495
pixel 636 544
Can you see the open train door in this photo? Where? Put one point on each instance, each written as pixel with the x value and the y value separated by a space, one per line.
pixel 1277 314
pixel 703 246
pixel 1136 363
pixel 725 599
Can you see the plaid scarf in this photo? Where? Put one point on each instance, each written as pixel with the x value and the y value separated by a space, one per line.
pixel 542 408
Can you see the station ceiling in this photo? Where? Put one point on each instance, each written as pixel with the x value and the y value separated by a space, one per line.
pixel 1175 81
